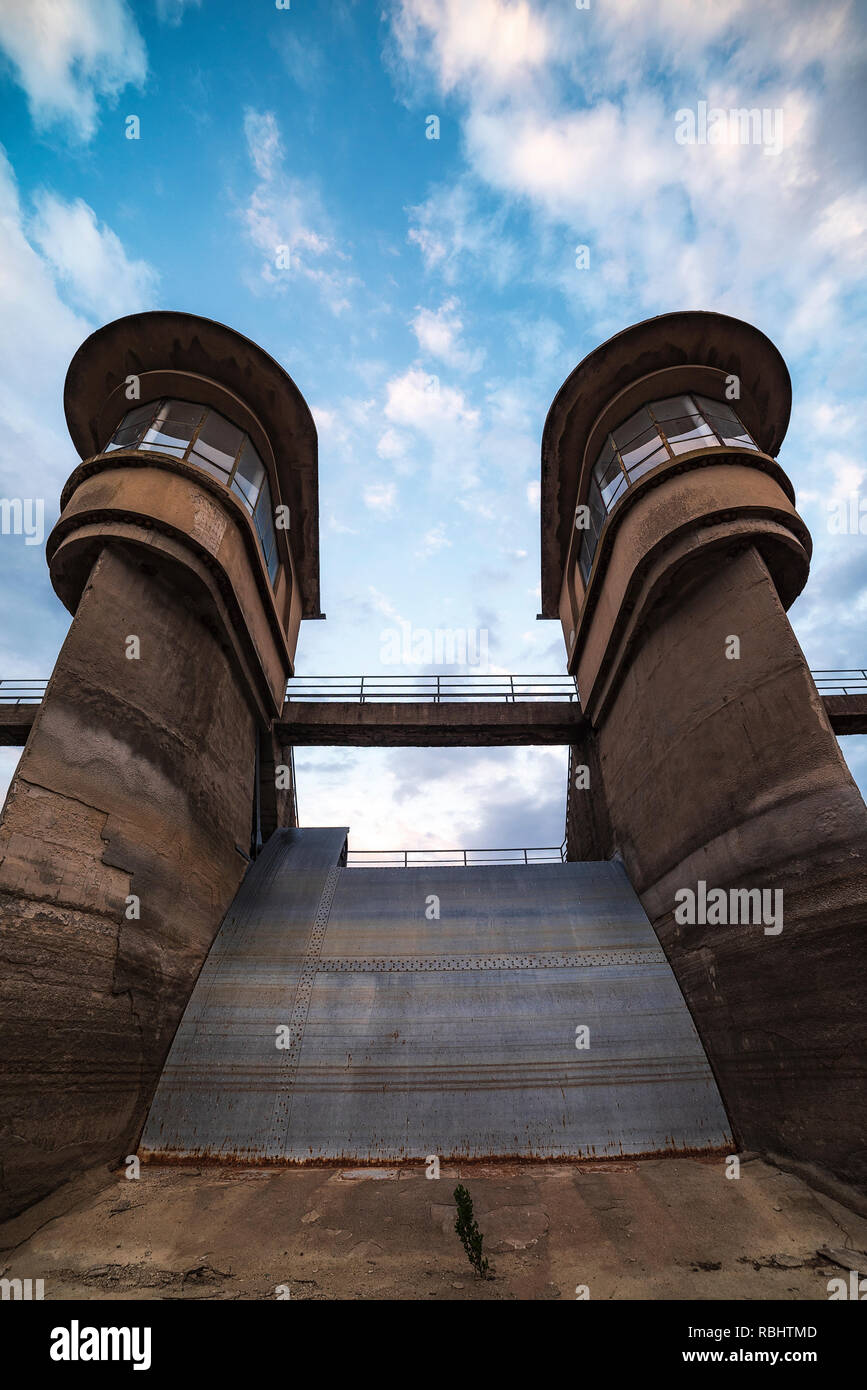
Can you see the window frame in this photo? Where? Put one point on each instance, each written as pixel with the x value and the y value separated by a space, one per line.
pixel 629 477
pixel 270 552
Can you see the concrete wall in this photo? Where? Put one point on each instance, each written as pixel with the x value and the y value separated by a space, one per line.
pixel 728 771
pixel 137 779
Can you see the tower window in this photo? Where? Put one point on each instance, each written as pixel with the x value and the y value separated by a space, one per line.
pixel 651 436
pixel 207 439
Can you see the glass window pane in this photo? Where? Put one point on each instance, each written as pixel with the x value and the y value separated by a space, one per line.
pixel 721 410
pixel 273 566
pixel 603 459
pixel 250 473
pixel 609 475
pixel 125 438
pixel 185 410
pixel 263 506
pixel 612 483
pixel 140 417
pixel 174 426
pixel 687 433
pixel 266 536
pixel 597 507
pixel 672 407
pixel 161 445
pixel 593 519
pixel 218 441
pixel 585 556
pixel 631 428
pixel 659 455
pixel 207 467
pixel 132 426
pixel 268 539
pixel 639 449
pixel 731 432
pixel 239 492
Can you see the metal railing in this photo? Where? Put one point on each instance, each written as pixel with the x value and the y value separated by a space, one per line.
pixel 853 682
pixel 438 689
pixel 451 858
pixel 22 692
pixel 432 689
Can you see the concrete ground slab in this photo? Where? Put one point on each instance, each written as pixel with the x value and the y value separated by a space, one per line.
pixel 673 1228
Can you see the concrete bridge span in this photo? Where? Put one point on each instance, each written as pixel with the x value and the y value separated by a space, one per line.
pixel 432 1011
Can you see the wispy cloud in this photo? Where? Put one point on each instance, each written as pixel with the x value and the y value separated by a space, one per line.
pixel 68 55
pixel 89 260
pixel 286 222
pixel 439 333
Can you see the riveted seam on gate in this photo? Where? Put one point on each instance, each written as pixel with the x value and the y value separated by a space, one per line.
pixel 546 960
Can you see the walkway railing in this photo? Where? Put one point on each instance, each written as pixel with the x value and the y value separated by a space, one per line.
pixel 450 858
pixel 852 682
pixel 22 692
pixel 436 689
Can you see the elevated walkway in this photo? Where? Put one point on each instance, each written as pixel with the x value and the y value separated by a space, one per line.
pixel 437 711
pixel 432 1011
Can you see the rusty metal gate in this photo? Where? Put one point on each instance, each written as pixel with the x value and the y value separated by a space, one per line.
pixel 385 1014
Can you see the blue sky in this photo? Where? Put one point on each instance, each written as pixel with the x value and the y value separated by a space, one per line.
pixel 432 305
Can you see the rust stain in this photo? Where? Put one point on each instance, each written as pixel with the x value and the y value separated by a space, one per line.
pixel 587 1161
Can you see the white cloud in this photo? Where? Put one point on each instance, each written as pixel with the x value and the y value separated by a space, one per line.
pixel 439 798
pixel 420 401
pixel 89 260
pixel 68 54
pixel 381 497
pixel 172 11
pixel 264 144
pixel 451 229
pixel 286 222
pixel 587 148
pixel 392 445
pixel 383 604
pixel 40 334
pixel 439 335
pixel 434 541
pixel 441 416
pixel 493 44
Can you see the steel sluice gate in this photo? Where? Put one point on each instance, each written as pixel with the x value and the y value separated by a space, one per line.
pixel 388 1014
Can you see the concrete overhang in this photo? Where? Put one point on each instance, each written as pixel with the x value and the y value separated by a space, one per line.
pixel 166 342
pixel 690 338
pixel 424 724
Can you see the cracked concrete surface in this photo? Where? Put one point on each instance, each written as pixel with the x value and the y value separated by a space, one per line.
pixel 654 1229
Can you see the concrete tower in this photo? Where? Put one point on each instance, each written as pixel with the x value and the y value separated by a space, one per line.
pixel 671 550
pixel 187 552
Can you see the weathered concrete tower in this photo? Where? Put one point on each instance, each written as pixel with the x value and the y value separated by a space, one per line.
pixel 671 550
pixel 187 551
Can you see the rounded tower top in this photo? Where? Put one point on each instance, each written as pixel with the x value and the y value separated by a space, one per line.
pixel 194 358
pixel 690 349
